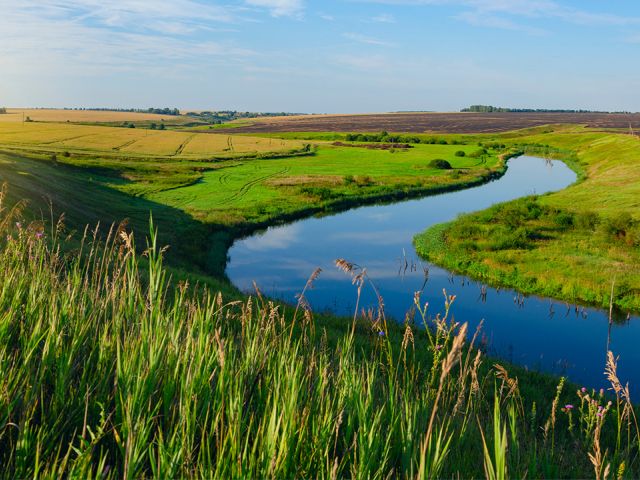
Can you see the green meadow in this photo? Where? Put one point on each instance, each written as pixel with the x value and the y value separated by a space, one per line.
pixel 578 244
pixel 122 359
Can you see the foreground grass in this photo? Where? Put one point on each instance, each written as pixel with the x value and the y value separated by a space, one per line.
pixel 574 244
pixel 110 372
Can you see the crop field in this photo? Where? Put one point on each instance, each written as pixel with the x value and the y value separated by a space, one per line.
pixel 98 139
pixel 436 122
pixel 15 115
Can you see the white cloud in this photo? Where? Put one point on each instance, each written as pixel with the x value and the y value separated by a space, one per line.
pixel 279 8
pixel 384 18
pixel 356 37
pixel 87 37
pixel 488 9
pixel 363 62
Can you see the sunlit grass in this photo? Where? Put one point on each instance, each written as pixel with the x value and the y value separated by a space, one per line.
pixel 112 370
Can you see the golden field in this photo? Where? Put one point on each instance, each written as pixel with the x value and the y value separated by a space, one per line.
pixel 136 141
pixel 60 115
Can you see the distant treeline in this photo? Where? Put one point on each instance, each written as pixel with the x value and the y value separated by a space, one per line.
pixel 3 110
pixel 159 111
pixel 223 116
pixel 492 109
pixel 386 137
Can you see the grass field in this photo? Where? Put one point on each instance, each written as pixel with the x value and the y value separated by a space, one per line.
pixel 226 184
pixel 199 387
pixel 572 244
pixel 110 372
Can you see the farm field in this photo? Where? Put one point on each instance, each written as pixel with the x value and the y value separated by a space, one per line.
pixel 436 122
pixel 15 115
pixel 58 138
pixel 219 182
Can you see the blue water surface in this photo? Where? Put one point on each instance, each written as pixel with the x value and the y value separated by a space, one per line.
pixel 538 333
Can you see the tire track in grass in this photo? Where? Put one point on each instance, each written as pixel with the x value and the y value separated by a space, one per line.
pixel 52 142
pixel 182 146
pixel 125 144
pixel 244 189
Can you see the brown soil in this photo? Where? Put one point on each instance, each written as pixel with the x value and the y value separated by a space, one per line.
pixel 437 122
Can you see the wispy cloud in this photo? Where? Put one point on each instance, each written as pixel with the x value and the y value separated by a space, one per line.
pixel 327 17
pixel 362 62
pixel 357 37
pixel 384 18
pixel 279 8
pixel 88 36
pixel 480 19
pixel 491 13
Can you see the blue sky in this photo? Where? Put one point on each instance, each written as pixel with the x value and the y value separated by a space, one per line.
pixel 321 56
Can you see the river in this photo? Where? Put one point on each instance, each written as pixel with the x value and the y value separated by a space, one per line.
pixel 538 333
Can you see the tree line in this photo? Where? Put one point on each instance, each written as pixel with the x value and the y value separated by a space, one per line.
pixel 159 111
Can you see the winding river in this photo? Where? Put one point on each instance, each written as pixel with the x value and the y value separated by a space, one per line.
pixel 538 333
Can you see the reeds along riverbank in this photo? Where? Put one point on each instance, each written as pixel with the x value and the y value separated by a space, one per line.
pixel 109 370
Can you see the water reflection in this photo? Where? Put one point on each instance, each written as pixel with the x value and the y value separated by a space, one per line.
pixel 535 332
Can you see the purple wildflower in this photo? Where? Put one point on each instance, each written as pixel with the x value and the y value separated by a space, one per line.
pixel 568 406
pixel 583 390
pixel 381 333
pixel 39 234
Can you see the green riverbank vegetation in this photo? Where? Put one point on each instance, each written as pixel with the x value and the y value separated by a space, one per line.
pixel 574 245
pixel 111 370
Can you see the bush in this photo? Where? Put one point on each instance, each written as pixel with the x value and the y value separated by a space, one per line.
pixel 460 153
pixel 563 219
pixel 618 225
pixel 349 179
pixel 440 164
pixel 586 220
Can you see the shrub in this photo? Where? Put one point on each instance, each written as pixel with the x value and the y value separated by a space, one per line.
pixel 460 153
pixel 586 220
pixel 618 225
pixel 440 164
pixel 563 219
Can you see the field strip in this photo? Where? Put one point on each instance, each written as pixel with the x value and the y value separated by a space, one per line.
pixel 182 146
pixel 53 142
pixel 125 144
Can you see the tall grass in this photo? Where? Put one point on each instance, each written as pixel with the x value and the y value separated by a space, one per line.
pixel 111 371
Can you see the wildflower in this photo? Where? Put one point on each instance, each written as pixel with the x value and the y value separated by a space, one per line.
pixel 583 390
pixel 599 414
pixel 568 406
pixel 18 225
pixel 600 408
pixel 381 333
pixel 438 347
pixel 39 235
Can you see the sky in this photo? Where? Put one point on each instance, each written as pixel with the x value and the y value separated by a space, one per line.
pixel 312 56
